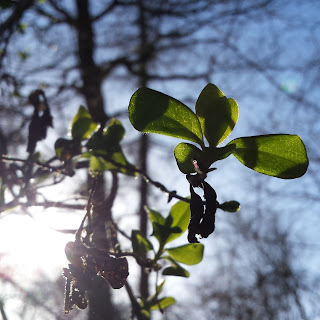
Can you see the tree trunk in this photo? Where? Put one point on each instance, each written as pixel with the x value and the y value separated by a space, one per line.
pixel 100 302
pixel 90 73
pixel 143 143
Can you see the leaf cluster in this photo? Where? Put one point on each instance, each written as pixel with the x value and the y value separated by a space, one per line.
pixel 279 155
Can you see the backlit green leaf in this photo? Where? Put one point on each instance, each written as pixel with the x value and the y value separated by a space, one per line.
pixel 185 153
pixel 108 140
pixel 140 244
pixel 179 216
pixel 67 149
pixel 155 216
pixel 188 254
pixel 175 270
pixel 163 232
pixel 217 114
pixel 114 160
pixel 82 125
pixel 163 303
pixel 153 111
pixel 279 155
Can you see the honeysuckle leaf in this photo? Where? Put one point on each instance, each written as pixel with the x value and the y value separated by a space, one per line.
pixel 107 141
pixel 179 216
pixel 230 206
pixel 185 153
pixel 175 270
pixel 173 226
pixel 217 114
pixel 151 111
pixel 140 244
pixel 278 155
pixel 82 125
pixel 114 161
pixel 189 254
pixel 155 216
pixel 163 303
pixel 162 232
pixel 67 149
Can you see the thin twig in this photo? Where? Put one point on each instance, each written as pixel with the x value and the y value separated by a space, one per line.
pixel 135 305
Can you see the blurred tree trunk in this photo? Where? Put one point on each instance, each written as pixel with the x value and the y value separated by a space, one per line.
pixel 100 302
pixel 145 55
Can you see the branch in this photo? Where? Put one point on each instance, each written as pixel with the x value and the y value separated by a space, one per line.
pixel 45 204
pixel 135 305
pixel 105 11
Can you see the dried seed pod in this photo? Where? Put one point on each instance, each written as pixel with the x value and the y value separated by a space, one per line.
pixel 197 209
pixel 207 224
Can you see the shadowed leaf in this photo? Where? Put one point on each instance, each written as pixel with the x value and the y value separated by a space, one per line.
pixel 279 155
pixel 154 112
pixel 217 114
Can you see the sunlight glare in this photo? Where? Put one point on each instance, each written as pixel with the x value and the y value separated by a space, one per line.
pixel 31 247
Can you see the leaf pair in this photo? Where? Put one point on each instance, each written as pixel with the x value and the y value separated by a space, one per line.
pixel 280 155
pixel 168 229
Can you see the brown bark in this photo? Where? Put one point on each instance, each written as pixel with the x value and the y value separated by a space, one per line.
pixel 144 142
pixel 90 72
pixel 100 302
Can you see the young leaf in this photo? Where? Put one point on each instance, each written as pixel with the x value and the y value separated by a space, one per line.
pixel 184 154
pixel 230 206
pixel 155 216
pixel 162 232
pixel 140 244
pixel 175 270
pixel 153 111
pixel 159 287
pixel 188 254
pixel 179 216
pixel 163 303
pixel 100 163
pixel 66 149
pixel 279 155
pixel 82 125
pixel 217 114
pixel 107 141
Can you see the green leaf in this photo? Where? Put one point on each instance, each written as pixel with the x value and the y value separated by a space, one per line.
pixel 279 155
pixel 217 114
pixel 140 244
pixel 175 270
pixel 160 287
pixel 179 216
pixel 154 112
pixel 163 303
pixel 114 161
pixel 230 206
pixel 82 125
pixel 108 140
pixel 185 153
pixel 188 254
pixel 66 149
pixel 155 216
pixel 163 232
